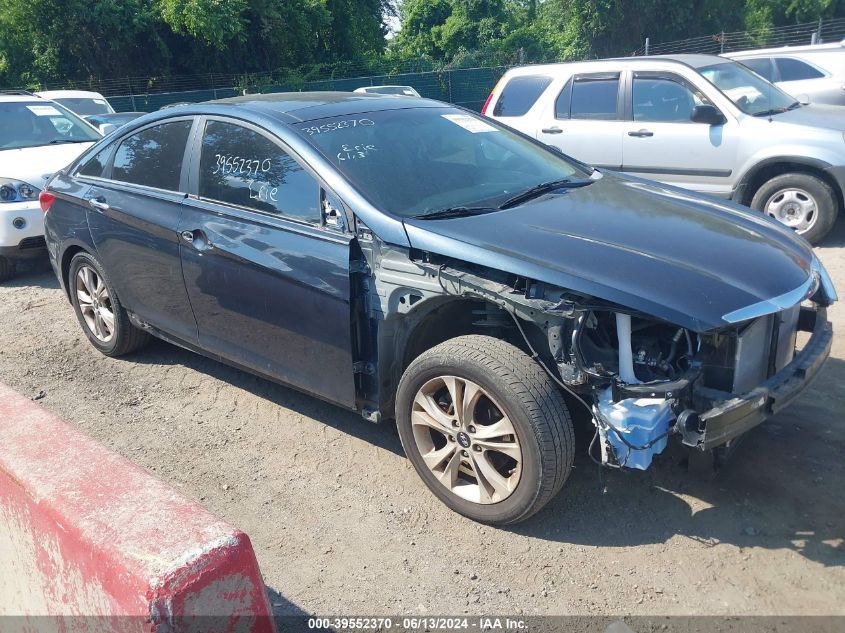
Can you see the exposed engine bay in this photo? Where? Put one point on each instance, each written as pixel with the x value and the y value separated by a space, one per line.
pixel 643 379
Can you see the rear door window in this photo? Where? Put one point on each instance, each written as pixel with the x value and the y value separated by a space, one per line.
pixel 595 97
pixel 241 166
pixel 795 70
pixel 153 156
pixel 520 94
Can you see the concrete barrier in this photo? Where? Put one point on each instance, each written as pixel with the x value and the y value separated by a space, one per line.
pixel 89 541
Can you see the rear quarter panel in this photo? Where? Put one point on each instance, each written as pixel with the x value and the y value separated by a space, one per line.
pixel 66 224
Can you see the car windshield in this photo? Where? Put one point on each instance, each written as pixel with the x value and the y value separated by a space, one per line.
pixel 35 123
pixel 419 161
pixel 750 93
pixel 85 106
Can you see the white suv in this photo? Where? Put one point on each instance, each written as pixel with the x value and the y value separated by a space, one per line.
pixel 696 121
pixel 37 138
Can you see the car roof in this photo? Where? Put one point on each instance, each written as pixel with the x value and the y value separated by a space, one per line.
pixel 805 48
pixel 69 94
pixel 693 60
pixel 306 106
pixel 7 97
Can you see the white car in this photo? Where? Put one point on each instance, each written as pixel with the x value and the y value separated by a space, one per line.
pixel 815 72
pixel 81 102
pixel 406 91
pixel 37 138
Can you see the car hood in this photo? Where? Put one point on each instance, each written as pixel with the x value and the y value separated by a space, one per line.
pixel 683 258
pixel 814 115
pixel 35 165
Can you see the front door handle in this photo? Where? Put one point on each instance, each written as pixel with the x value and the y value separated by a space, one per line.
pixel 551 130
pixel 640 133
pixel 197 238
pixel 99 203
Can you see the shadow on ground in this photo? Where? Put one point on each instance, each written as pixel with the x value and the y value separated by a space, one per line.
pixel 33 273
pixel 757 500
pixel 836 237
pixel 765 496
pixel 288 616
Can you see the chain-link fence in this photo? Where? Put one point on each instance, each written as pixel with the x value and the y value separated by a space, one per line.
pixel 822 31
pixel 467 87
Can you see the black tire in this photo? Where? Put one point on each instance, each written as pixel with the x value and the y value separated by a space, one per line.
pixel 526 395
pixel 126 338
pixel 827 204
pixel 7 268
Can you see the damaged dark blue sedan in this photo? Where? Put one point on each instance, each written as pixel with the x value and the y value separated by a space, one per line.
pixel 410 260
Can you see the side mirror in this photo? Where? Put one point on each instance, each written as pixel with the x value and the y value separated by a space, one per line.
pixel 803 99
pixel 107 128
pixel 708 114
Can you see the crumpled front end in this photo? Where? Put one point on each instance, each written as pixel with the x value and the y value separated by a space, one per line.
pixel 646 380
pixel 654 380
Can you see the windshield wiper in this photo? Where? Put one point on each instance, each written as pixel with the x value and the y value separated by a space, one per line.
pixel 796 104
pixel 59 141
pixel 454 212
pixel 544 187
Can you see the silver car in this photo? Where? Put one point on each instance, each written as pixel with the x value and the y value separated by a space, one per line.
pixel 815 74
pixel 700 122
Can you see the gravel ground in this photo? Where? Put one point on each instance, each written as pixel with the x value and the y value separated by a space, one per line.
pixel 342 525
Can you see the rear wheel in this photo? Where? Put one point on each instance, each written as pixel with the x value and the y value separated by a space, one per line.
pixel 98 309
pixel 800 201
pixel 485 428
pixel 7 268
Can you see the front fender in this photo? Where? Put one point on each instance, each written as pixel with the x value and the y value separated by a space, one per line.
pixel 823 161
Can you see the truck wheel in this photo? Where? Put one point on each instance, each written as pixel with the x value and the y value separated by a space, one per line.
pixel 486 429
pixel 102 317
pixel 7 268
pixel 800 201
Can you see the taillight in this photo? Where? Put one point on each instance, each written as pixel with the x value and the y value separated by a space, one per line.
pixel 46 199
pixel 487 103
pixel 490 98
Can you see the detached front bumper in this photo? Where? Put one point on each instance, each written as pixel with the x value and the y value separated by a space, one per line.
pixel 731 417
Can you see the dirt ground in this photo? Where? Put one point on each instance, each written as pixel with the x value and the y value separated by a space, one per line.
pixel 342 525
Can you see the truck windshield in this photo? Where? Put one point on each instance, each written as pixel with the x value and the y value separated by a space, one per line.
pixel 750 93
pixel 31 124
pixel 418 161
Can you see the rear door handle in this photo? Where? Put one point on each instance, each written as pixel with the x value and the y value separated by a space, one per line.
pixel 551 130
pixel 640 133
pixel 99 203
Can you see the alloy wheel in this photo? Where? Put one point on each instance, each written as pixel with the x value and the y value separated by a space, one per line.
pixel 95 303
pixel 466 440
pixel 794 207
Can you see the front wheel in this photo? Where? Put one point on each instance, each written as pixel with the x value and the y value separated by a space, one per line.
pixel 800 201
pixel 485 428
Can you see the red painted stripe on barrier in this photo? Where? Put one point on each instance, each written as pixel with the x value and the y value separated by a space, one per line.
pixel 84 532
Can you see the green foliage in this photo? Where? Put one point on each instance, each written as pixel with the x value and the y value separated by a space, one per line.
pixel 575 29
pixel 56 40
pixel 53 41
